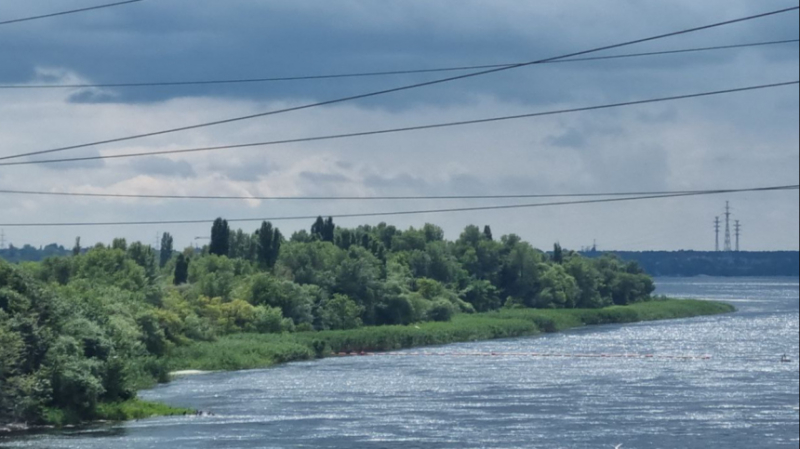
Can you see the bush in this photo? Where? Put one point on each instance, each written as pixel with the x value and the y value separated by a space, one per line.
pixel 268 320
pixel 441 311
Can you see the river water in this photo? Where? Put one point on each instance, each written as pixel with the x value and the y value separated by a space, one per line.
pixel 742 398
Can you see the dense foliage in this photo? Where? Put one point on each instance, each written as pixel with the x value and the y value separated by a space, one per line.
pixel 29 253
pixel 249 351
pixel 92 328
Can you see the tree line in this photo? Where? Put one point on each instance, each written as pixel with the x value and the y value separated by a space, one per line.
pixel 701 263
pixel 94 326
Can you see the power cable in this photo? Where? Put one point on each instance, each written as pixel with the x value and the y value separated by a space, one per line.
pixel 378 74
pixel 402 213
pixel 403 88
pixel 73 11
pixel 337 198
pixel 401 130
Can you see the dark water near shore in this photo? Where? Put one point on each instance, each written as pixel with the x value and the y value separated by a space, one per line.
pixel 742 398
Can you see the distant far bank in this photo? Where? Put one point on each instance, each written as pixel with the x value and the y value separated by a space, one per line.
pixel 655 263
pixel 709 263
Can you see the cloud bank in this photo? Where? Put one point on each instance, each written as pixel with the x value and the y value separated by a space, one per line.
pixel 740 140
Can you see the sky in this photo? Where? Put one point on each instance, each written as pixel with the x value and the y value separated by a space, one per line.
pixel 736 141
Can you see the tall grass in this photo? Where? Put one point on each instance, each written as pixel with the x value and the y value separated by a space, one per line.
pixel 117 411
pixel 250 351
pixel 137 409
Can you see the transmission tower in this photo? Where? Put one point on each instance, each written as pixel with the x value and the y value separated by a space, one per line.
pixel 2 239
pixel 717 228
pixel 728 242
pixel 738 235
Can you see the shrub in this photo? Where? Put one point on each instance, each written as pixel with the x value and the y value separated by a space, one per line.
pixel 441 311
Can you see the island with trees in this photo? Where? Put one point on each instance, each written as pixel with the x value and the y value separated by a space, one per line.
pixel 82 332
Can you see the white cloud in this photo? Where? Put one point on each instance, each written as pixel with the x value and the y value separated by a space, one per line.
pixel 741 140
pixel 700 146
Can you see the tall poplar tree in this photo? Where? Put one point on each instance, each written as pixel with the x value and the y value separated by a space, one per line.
pixel 220 238
pixel 167 248
pixel 487 233
pixel 181 270
pixel 266 236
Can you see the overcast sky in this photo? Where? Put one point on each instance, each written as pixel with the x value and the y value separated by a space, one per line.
pixel 741 140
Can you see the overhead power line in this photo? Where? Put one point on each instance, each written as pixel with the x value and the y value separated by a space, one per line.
pixel 383 73
pixel 406 129
pixel 341 198
pixel 413 212
pixel 403 88
pixel 72 11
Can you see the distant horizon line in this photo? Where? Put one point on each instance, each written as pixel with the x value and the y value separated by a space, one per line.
pixel 581 251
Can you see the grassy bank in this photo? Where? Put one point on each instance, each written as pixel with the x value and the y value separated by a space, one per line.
pixel 117 412
pixel 251 351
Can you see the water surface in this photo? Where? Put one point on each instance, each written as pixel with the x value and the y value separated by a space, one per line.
pixel 742 398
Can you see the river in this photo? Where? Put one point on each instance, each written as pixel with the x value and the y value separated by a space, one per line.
pixel 744 397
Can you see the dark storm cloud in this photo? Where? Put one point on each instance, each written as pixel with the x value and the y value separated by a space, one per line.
pixel 731 141
pixel 208 39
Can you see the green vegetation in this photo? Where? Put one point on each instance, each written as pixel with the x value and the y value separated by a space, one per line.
pixel 252 351
pixel 80 332
pixel 114 411
pixel 136 409
pixel 29 253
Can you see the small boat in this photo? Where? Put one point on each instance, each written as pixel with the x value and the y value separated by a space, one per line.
pixel 786 359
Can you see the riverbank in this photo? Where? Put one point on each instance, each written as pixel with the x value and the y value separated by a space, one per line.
pixel 254 351
pixel 133 409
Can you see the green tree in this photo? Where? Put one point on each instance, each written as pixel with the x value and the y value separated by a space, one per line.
pixel 11 352
pixel 329 230
pixel 75 379
pixel 268 320
pixel 294 301
pixel 213 276
pixel 521 273
pixel 478 255
pixel 310 263
pixel 277 244
pixel 487 233
pixel 341 312
pixel 441 311
pixel 120 244
pixel 318 228
pixel 145 257
pixel 270 241
pixel 266 240
pixel 76 250
pixel 181 270
pixel 483 296
pixel 558 290
pixel 324 229
pixel 588 280
pixel 558 254
pixel 359 277
pixel 167 248
pixel 220 238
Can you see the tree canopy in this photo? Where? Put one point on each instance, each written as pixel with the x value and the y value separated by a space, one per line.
pixel 89 327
